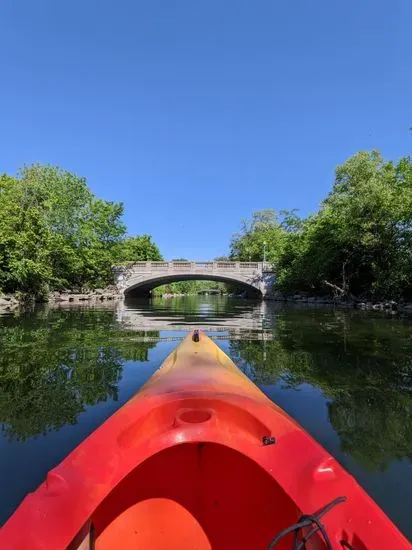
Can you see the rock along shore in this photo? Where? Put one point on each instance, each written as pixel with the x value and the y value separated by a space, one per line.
pixel 10 302
pixel 305 299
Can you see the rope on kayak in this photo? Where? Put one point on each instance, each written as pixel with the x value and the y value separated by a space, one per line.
pixel 308 520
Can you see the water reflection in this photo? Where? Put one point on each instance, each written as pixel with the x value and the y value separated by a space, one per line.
pixel 345 376
pixel 234 318
pixel 54 363
pixel 369 395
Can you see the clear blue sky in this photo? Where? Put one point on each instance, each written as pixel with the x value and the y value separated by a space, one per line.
pixel 195 113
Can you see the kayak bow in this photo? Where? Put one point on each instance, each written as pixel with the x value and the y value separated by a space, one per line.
pixel 199 459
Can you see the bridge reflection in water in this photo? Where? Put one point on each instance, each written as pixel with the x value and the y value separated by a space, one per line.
pixel 236 320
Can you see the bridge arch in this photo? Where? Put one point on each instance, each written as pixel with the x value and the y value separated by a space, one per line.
pixel 143 288
pixel 139 278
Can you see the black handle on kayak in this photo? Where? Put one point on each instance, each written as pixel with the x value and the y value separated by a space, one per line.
pixel 308 520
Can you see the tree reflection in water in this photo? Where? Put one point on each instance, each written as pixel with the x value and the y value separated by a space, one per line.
pixel 363 365
pixel 53 364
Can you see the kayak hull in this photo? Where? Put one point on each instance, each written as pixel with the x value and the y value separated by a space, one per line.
pixel 198 458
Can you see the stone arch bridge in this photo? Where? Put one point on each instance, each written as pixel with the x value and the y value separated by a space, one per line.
pixel 256 278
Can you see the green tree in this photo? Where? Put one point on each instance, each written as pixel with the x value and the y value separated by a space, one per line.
pixel 266 226
pixel 138 248
pixel 191 287
pixel 54 232
pixel 360 241
pixel 370 206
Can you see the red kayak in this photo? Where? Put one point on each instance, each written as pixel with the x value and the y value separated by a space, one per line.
pixel 199 459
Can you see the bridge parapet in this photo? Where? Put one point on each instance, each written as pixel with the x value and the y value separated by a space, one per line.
pixel 194 266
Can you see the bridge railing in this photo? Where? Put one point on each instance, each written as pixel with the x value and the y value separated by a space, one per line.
pixel 138 267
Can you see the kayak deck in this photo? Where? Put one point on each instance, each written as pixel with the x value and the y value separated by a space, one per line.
pixel 200 459
pixel 196 493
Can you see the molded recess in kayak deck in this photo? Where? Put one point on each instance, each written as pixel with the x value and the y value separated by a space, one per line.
pixel 194 416
pixel 186 413
pixel 194 495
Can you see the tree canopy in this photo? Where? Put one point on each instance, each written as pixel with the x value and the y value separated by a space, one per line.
pixel 191 287
pixel 56 234
pixel 359 242
pixel 138 248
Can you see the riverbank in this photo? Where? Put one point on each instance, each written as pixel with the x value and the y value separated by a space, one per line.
pixel 384 305
pixel 10 302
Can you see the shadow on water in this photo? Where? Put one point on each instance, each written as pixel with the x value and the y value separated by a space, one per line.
pixel 345 376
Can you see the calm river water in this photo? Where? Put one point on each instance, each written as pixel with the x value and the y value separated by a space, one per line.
pixel 346 376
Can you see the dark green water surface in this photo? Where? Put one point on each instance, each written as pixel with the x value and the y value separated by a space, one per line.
pixel 346 376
